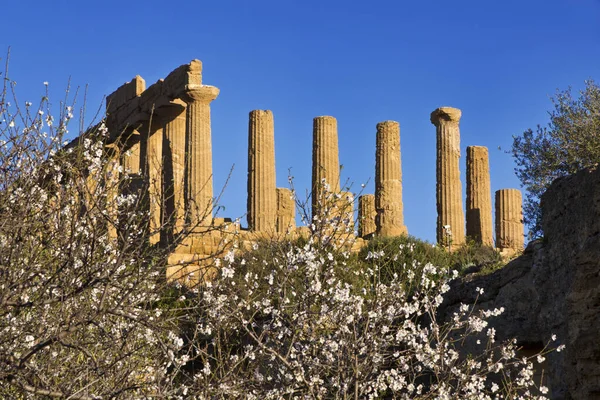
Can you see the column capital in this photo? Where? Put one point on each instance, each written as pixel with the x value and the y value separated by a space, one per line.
pixel 388 123
pixel 445 114
pixel 199 93
pixel 255 113
pixel 324 118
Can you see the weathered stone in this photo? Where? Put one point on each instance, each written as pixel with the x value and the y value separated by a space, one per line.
pixel 124 94
pixel 262 195
pixel 199 182
pixel 154 167
pixel 286 211
pixel 366 215
pixel 479 196
pixel 130 159
pixel 389 217
pixel 173 156
pixel 450 217
pixel 325 161
pixel 131 106
pixel 510 235
pixel 346 206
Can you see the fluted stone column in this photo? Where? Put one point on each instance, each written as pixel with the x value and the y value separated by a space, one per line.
pixel 130 159
pixel 450 218
pixel 154 165
pixel 325 162
pixel 113 178
pixel 345 208
pixel 262 195
pixel 388 181
pixel 366 215
pixel 286 210
pixel 173 146
pixel 510 235
pixel 199 176
pixel 479 196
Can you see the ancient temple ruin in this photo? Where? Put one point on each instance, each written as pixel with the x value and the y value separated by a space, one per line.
pixel 162 135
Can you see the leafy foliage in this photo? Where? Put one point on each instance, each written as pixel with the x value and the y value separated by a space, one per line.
pixel 570 142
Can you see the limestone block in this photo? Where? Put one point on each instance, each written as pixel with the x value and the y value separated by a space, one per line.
pixel 479 196
pixel 389 217
pixel 262 195
pixel 450 217
pixel 366 215
pixel 199 185
pixel 125 93
pixel 286 211
pixel 510 235
pixel 325 160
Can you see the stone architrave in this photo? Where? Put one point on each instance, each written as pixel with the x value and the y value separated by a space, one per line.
pixel 450 217
pixel 286 211
pixel 366 215
pixel 389 217
pixel 262 195
pixel 199 176
pixel 325 161
pixel 479 196
pixel 510 235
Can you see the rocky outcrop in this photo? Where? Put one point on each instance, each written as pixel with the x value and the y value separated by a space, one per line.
pixel 553 288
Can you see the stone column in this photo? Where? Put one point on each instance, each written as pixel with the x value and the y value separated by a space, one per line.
pixel 199 177
pixel 130 159
pixel 286 210
pixel 154 162
pixel 112 181
pixel 345 209
pixel 388 181
pixel 479 196
pixel 510 235
pixel 450 216
pixel 325 162
pixel 366 215
pixel 262 195
pixel 173 154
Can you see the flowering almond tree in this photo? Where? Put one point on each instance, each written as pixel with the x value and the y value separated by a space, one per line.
pixel 79 284
pixel 311 324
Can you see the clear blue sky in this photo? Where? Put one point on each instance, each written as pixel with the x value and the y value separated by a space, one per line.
pixel 362 62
